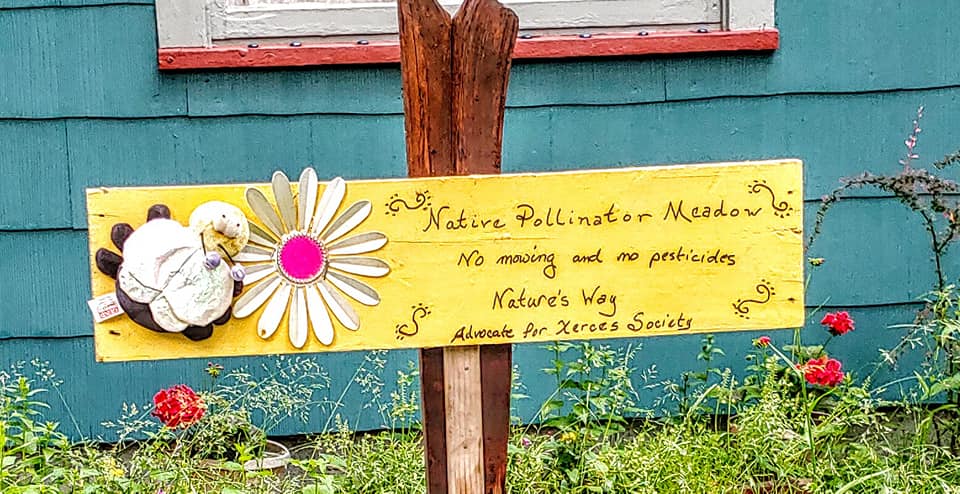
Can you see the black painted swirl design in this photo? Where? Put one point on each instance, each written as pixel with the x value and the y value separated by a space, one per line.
pixel 408 329
pixel 742 305
pixel 397 204
pixel 780 208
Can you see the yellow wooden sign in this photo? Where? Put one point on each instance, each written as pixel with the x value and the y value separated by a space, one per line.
pixel 429 262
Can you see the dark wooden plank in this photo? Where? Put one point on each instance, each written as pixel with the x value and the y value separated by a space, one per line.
pixel 425 40
pixel 496 367
pixel 434 419
pixel 484 33
pixel 425 30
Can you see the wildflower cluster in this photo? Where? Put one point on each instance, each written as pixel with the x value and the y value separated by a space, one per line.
pixel 820 370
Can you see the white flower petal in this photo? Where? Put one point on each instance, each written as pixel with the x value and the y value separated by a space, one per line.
pixel 363 266
pixel 284 198
pixel 298 318
pixel 306 198
pixel 340 307
pixel 260 236
pixel 358 244
pixel 355 289
pixel 254 297
pixel 273 313
pixel 328 205
pixel 252 253
pixel 264 211
pixel 319 319
pixel 353 216
pixel 258 272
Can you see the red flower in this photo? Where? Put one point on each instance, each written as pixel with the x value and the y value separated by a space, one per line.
pixel 178 406
pixel 822 372
pixel 839 323
pixel 762 342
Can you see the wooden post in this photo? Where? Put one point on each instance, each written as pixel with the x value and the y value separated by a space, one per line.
pixel 455 74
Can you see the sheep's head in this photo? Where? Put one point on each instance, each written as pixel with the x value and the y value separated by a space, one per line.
pixel 221 225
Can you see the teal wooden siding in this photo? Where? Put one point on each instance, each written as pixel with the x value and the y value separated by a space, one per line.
pixel 82 104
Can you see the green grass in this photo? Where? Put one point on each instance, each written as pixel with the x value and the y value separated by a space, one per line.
pixel 762 436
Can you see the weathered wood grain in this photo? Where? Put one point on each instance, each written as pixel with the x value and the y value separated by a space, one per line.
pixel 464 419
pixel 78 62
pixel 455 84
pixel 36 175
pixel 45 284
pixel 496 371
pixel 235 150
pixel 425 31
pixel 484 34
pixel 433 416
pixel 62 60
pixel 865 132
pixel 427 73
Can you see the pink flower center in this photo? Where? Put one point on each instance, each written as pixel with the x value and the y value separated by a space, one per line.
pixel 301 258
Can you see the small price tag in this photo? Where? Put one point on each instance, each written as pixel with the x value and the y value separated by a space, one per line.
pixel 105 307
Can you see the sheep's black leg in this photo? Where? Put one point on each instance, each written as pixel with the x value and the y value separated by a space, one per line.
pixel 197 333
pixel 138 312
pixel 237 288
pixel 108 262
pixel 158 211
pixel 224 318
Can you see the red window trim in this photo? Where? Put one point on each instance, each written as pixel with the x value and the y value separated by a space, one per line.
pixel 535 48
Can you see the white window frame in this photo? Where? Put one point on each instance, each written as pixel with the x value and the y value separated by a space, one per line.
pixel 208 23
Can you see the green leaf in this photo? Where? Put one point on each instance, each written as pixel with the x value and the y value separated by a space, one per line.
pixel 948 384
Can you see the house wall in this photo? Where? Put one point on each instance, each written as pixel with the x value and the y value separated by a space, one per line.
pixel 83 104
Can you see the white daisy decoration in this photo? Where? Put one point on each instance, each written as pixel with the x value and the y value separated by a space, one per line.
pixel 303 259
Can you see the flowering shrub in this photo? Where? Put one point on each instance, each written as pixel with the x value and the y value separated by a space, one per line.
pixel 819 369
pixel 178 406
pixel 838 323
pixel 822 372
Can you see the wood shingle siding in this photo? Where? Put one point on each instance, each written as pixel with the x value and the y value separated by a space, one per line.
pixel 82 103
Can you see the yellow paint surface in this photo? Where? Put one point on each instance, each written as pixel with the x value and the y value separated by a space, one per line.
pixel 531 257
